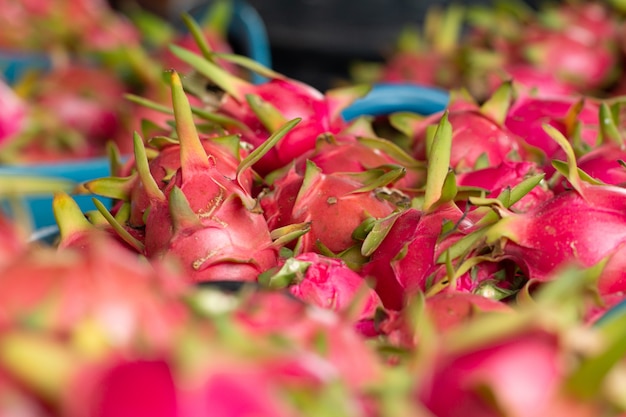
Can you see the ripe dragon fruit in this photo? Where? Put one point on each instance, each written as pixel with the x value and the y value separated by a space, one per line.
pixel 580 226
pixel 479 135
pixel 13 115
pixel 518 375
pixel 404 260
pixel 209 222
pixel 346 152
pixel 261 109
pixel 127 300
pixel 507 174
pixel 334 205
pixel 528 114
pixel 327 283
pixel 228 150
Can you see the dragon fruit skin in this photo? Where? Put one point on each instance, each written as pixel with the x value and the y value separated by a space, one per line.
pixel 122 387
pixel 13 114
pixel 564 230
pixel 328 201
pixel 131 300
pixel 588 66
pixel 522 374
pixel 292 99
pixel 275 313
pixel 407 256
pixel 528 79
pixel 228 242
pixel 601 163
pixel 329 283
pixel 473 136
pixel 528 114
pixel 168 162
pixel 347 154
pixel 507 174
pixel 452 309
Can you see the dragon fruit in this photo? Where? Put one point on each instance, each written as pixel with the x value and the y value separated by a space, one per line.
pixel 528 114
pixel 487 380
pixel 127 299
pixel 123 387
pixel 13 115
pixel 601 163
pixel 228 150
pixel 334 205
pixel 207 221
pixel 327 283
pixel 507 174
pixel 479 135
pixel 348 153
pixel 451 309
pixel 580 226
pixel 65 118
pixel 263 108
pixel 403 261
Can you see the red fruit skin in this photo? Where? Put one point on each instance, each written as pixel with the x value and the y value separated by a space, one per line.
pixel 236 390
pixel 85 98
pixel 528 115
pixel 274 313
pixel 123 388
pixel 601 163
pixel 451 309
pixel 522 374
pixel 530 79
pixel 292 99
pixel 12 117
pixel 566 230
pixel 587 66
pixel 329 283
pixel 168 161
pixel 507 174
pixel 328 203
pixel 130 299
pixel 347 154
pixel 227 241
pixel 428 69
pixel 473 135
pixel 407 255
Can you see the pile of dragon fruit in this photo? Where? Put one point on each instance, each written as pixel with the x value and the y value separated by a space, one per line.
pixel 266 257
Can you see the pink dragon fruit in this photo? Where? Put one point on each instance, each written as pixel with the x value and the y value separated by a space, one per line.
pixel 202 218
pixel 603 164
pixel 334 205
pixel 401 264
pixel 348 153
pixel 565 229
pixel 580 226
pixel 451 309
pixel 528 114
pixel 507 174
pixel 123 387
pixel 274 313
pixel 263 108
pixel 478 133
pixel 13 115
pixel 580 46
pixel 130 300
pixel 327 283
pixel 519 374
pixel 228 150
pixel 532 80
